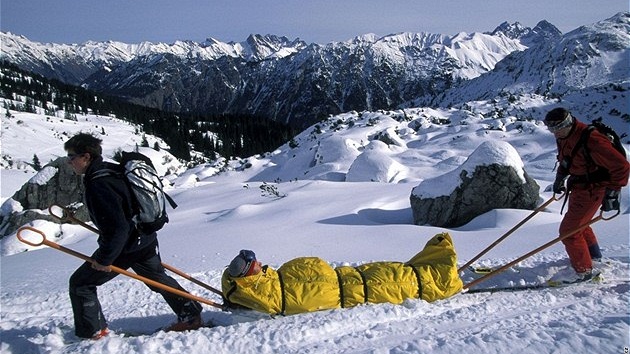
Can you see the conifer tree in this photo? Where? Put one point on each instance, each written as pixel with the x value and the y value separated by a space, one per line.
pixel 36 164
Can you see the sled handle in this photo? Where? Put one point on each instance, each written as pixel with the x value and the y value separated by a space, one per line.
pixel 601 214
pixel 537 250
pixel 508 233
pixel 65 213
pixel 112 267
pixel 67 216
pixel 26 240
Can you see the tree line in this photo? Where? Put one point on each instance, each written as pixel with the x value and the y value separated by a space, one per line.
pixel 228 135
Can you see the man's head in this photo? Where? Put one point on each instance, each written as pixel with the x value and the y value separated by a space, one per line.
pixel 82 149
pixel 559 121
pixel 245 264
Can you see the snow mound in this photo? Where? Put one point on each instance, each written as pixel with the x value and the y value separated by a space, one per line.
pixel 488 153
pixel 374 165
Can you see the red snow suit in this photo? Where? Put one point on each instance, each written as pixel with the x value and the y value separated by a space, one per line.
pixel 585 197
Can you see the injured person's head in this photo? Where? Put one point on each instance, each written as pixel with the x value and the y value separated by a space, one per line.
pixel 245 264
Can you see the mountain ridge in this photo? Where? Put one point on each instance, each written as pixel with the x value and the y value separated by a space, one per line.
pixel 297 83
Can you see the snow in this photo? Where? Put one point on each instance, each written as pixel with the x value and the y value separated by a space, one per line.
pixel 310 212
pixel 43 176
pixel 488 153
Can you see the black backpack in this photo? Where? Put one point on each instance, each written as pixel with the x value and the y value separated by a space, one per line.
pixel 605 130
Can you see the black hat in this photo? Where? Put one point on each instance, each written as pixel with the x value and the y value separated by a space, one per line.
pixel 557 114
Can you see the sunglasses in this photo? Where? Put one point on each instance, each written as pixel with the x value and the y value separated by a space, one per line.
pixel 71 157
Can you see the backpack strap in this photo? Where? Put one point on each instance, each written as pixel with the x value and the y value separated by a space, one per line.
pixel 170 200
pixel 112 171
pixel 581 144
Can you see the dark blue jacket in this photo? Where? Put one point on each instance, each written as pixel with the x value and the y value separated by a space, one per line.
pixel 109 201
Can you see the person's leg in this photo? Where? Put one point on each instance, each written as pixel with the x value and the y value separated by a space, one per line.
pixel 88 315
pixel 149 265
pixel 593 244
pixel 583 204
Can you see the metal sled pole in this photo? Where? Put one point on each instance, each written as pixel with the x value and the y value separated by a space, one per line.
pixel 68 216
pixel 118 270
pixel 529 217
pixel 546 245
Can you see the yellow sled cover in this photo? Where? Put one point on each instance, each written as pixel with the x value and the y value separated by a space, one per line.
pixel 311 284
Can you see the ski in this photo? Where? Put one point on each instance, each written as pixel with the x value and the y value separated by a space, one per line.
pixel 486 270
pixel 597 278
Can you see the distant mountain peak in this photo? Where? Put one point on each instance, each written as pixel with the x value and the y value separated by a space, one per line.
pixel 294 82
pixel 511 30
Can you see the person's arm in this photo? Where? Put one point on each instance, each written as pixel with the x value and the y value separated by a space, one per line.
pixel 107 208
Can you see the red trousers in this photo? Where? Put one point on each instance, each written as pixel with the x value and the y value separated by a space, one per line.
pixel 583 204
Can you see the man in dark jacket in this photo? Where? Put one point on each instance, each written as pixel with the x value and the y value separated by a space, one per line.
pixel 109 202
pixel 594 182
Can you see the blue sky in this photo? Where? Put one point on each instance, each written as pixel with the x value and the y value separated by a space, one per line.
pixel 134 21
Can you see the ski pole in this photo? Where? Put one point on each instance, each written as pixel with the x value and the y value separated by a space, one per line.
pixel 118 270
pixel 546 245
pixel 67 215
pixel 521 223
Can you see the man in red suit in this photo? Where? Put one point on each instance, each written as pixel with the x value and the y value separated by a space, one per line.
pixel 595 172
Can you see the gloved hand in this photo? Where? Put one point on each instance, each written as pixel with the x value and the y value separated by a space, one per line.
pixel 611 200
pixel 558 184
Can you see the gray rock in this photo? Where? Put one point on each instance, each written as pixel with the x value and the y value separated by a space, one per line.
pixel 57 184
pixel 493 186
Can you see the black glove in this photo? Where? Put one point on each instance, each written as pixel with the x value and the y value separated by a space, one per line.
pixel 558 184
pixel 611 200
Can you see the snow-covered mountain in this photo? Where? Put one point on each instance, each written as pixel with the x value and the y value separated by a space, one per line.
pixel 300 83
pixel 592 56
pixel 73 63
pixel 288 81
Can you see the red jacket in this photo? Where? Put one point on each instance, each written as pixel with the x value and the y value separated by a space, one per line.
pixel 603 155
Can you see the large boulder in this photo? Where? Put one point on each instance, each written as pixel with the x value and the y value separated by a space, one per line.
pixel 56 183
pixel 491 178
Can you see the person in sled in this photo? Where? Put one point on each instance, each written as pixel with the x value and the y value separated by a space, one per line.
pixel 594 175
pixel 109 203
pixel 309 284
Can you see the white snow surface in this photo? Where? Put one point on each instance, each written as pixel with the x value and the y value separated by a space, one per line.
pixel 311 210
pixel 488 153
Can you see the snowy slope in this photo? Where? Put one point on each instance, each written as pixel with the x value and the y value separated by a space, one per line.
pixel 315 214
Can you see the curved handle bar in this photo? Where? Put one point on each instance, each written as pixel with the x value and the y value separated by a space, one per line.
pixel 66 216
pixel 31 243
pixel 601 214
pixel 112 267
pixel 558 197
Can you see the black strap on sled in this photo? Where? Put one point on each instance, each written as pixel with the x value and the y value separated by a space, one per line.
pixel 365 286
pixel 417 273
pixel 282 296
pixel 341 297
